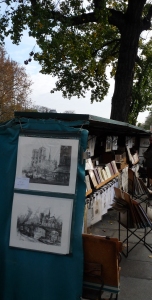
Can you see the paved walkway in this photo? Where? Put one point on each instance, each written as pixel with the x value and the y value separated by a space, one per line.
pixel 136 269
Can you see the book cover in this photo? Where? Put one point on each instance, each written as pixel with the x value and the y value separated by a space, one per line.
pixel 104 175
pixel 99 173
pixel 148 222
pixel 92 176
pixel 128 199
pixel 111 169
pixel 107 170
pixel 88 164
pixel 87 180
pixel 114 166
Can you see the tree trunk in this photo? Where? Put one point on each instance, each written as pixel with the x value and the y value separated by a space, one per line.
pixel 130 31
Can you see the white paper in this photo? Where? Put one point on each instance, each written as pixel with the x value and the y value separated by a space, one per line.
pixel 41 223
pixel 141 151
pixel 144 142
pixel 91 144
pixel 114 142
pixel 22 183
pixel 129 141
pixel 49 163
pixel 88 164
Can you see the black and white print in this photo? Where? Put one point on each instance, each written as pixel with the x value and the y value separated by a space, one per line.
pixel 49 164
pixel 144 142
pixel 41 223
pixel 141 151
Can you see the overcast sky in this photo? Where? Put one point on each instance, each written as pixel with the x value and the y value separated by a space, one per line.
pixel 42 84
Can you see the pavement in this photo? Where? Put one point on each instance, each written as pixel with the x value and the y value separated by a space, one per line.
pixel 136 269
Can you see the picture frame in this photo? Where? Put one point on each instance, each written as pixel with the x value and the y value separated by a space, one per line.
pixel 141 151
pixel 47 164
pixel 41 223
pixel 144 142
pixel 141 160
pixel 108 147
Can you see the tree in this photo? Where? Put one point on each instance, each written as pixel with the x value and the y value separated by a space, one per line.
pixel 141 92
pixel 14 87
pixel 80 39
pixel 42 109
pixel 148 122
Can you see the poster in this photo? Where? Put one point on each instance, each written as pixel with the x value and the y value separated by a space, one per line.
pixel 41 223
pixel 47 164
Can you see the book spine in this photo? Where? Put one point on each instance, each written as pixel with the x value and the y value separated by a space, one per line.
pixel 92 176
pixel 99 173
pixel 96 176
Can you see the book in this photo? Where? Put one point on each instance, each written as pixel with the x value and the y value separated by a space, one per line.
pixel 148 222
pixel 92 176
pixel 88 164
pixel 128 199
pixel 87 180
pixel 114 166
pixel 111 169
pixel 107 170
pixel 104 175
pixel 140 214
pixel 118 157
pixel 97 175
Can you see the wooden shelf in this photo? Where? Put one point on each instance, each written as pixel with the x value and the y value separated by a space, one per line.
pixel 88 192
pixel 106 181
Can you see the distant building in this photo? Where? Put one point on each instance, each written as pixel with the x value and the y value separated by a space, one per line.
pixel 62 172
pixel 38 156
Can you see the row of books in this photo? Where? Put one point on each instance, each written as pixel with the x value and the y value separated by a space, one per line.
pixel 132 214
pixel 99 174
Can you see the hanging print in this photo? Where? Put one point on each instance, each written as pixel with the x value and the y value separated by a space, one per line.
pixel 47 164
pixel 41 223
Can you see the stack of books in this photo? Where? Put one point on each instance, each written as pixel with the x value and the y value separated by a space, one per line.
pixel 132 214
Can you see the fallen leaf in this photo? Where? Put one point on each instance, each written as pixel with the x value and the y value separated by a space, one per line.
pixel 125 245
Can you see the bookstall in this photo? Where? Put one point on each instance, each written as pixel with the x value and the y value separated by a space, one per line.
pixel 112 148
pixel 58 176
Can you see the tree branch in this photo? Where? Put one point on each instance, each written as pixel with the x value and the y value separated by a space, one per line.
pixel 116 18
pixel 139 61
pixel 117 41
pixel 70 21
pixel 146 24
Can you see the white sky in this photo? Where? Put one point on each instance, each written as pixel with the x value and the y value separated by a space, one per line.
pixel 42 84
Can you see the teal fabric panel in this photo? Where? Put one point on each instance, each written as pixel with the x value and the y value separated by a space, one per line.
pixel 25 274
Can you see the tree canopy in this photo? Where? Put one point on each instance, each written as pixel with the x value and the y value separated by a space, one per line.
pixel 148 122
pixel 14 87
pixel 80 40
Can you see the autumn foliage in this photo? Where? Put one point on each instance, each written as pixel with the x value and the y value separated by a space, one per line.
pixel 15 87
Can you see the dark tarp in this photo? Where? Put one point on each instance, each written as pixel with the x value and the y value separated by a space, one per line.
pixel 25 274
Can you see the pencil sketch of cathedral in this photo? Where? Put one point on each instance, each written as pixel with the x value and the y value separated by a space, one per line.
pixel 45 170
pixel 40 227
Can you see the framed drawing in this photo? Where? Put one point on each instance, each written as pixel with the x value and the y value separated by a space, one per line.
pixel 108 144
pixel 144 142
pixel 141 160
pixel 47 164
pixel 41 223
pixel 141 151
